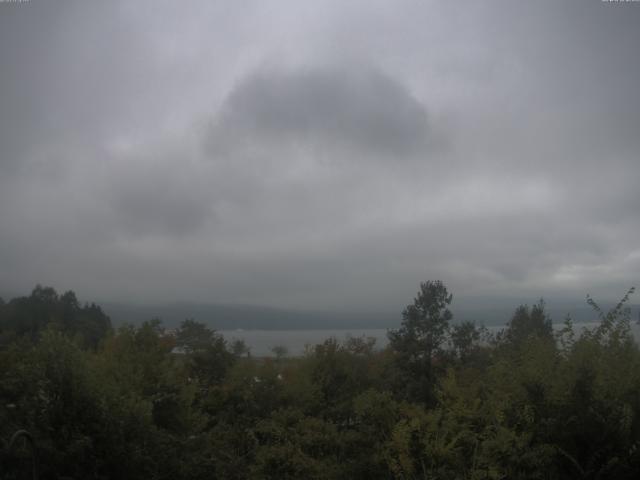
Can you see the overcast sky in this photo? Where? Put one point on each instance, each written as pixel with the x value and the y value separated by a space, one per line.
pixel 325 154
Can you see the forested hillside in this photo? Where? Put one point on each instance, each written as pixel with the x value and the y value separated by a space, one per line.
pixel 444 400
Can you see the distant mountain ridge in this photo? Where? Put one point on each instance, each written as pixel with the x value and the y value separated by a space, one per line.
pixel 229 317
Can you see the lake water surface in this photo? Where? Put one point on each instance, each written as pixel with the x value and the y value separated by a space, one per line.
pixel 295 341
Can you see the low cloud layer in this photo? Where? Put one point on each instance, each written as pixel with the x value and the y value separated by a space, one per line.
pixel 319 156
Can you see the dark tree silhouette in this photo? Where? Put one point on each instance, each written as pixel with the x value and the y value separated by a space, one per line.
pixel 420 338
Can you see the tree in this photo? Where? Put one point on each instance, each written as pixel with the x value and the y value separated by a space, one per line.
pixel 418 341
pixel 240 348
pixel 464 338
pixel 529 322
pixel 29 316
pixel 194 336
pixel 280 351
pixel 207 351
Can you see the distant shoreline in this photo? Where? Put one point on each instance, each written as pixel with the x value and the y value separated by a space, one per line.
pixel 261 341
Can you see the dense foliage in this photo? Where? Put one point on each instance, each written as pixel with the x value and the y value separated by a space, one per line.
pixel 442 401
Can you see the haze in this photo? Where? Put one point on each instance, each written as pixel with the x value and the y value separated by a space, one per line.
pixel 319 155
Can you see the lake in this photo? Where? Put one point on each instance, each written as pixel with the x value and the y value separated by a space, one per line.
pixel 262 341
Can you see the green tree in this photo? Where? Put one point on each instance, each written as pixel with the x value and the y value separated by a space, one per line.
pixel 194 336
pixel 419 341
pixel 29 316
pixel 280 351
pixel 464 338
pixel 529 322
pixel 240 348
pixel 209 358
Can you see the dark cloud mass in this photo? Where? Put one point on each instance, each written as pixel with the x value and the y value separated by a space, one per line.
pixel 363 109
pixel 319 155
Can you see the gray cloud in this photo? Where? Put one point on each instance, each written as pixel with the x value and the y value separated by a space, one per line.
pixel 65 77
pixel 354 108
pixel 321 154
pixel 158 203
